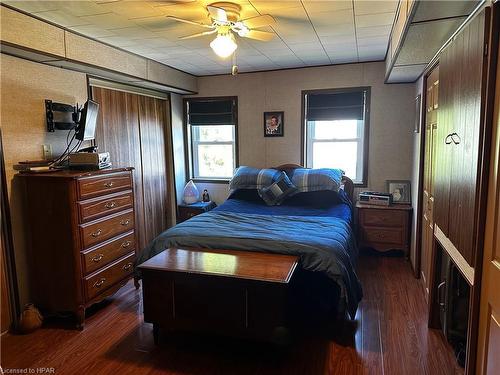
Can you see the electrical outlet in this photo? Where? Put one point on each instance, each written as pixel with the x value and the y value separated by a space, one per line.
pixel 47 152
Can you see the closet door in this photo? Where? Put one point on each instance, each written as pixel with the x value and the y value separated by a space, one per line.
pixel 468 50
pixel 459 136
pixel 442 161
pixel 118 133
pixel 154 126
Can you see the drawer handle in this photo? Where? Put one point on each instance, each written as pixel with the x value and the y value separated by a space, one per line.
pixel 126 244
pixel 110 205
pixel 99 283
pixel 125 222
pixel 127 266
pixel 96 233
pixel 97 258
pixel 108 184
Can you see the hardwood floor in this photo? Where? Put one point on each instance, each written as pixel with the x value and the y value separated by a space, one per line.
pixel 389 336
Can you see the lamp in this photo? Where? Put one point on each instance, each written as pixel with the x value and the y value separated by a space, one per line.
pixel 224 45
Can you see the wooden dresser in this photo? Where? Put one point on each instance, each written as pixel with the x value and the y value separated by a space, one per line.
pixel 384 228
pixel 82 242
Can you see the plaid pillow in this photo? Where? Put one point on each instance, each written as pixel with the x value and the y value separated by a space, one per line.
pixel 316 179
pixel 253 178
pixel 278 191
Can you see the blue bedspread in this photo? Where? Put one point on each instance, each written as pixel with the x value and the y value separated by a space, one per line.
pixel 324 243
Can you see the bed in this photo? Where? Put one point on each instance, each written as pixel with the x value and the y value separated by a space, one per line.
pixel 317 227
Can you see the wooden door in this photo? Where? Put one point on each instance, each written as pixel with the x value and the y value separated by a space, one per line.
pixel 134 129
pixel 459 136
pixel 470 57
pixel 154 126
pixel 118 133
pixel 488 359
pixel 431 105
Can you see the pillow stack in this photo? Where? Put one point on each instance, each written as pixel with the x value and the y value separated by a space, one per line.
pixel 275 186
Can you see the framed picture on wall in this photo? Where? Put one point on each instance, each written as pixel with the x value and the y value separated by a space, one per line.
pixel 400 190
pixel 274 123
pixel 418 111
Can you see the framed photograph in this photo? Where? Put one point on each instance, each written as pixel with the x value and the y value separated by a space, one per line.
pixel 418 113
pixel 274 123
pixel 400 190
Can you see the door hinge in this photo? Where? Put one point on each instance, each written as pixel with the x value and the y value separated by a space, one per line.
pixel 485 49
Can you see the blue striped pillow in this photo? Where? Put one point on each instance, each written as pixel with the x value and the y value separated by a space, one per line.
pixel 316 179
pixel 253 178
pixel 278 191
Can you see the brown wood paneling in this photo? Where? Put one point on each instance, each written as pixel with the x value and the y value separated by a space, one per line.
pixel 118 133
pixel 154 129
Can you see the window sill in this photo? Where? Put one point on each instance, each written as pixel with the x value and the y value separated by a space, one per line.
pixel 211 181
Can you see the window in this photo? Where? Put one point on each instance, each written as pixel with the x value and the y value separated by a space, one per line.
pixel 212 137
pixel 336 130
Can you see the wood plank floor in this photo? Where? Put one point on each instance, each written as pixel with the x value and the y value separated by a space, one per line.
pixel 389 336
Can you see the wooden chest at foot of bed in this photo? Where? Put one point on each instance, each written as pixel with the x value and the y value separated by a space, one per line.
pixel 234 293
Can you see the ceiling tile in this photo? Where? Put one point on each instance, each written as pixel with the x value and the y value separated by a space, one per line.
pixel 363 32
pixel 333 30
pixel 271 6
pixel 118 41
pixel 375 6
pixel 315 6
pixel 62 18
pixel 134 32
pixel 372 41
pixel 132 9
pixel 34 6
pixel 107 21
pixel 379 19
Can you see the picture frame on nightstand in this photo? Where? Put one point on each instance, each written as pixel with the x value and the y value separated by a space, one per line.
pixel 400 190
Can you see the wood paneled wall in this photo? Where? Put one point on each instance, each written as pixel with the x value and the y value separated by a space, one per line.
pixel 134 129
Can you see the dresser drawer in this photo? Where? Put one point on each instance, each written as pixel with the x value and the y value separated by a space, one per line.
pixel 104 229
pixel 383 218
pixel 384 235
pixel 95 208
pixel 103 254
pixel 101 185
pixel 107 277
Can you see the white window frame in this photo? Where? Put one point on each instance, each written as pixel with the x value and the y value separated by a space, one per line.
pixel 361 138
pixel 194 151
pixel 191 143
pixel 310 125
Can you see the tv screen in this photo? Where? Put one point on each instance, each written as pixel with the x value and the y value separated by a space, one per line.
pixel 88 121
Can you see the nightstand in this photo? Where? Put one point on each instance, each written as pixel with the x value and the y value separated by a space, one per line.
pixel 187 211
pixel 384 228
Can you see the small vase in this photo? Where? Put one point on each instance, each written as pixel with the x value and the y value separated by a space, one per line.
pixel 191 193
pixel 30 320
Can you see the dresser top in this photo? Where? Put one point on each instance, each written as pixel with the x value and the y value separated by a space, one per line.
pixel 70 173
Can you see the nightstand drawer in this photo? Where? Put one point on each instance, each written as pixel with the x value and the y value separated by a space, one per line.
pixel 384 235
pixel 383 218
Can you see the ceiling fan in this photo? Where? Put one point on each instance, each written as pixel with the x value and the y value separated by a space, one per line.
pixel 225 22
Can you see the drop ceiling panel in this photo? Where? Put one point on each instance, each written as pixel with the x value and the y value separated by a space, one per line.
pixel 308 32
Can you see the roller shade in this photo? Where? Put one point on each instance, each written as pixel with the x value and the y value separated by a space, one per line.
pixel 211 112
pixel 336 106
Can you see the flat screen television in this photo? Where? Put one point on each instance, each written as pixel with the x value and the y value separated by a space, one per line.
pixel 85 131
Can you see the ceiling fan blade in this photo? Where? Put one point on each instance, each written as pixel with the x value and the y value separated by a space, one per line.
pixel 259 21
pixel 217 13
pixel 190 22
pixel 198 34
pixel 260 35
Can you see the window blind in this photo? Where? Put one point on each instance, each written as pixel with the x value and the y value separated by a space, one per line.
pixel 211 112
pixel 348 105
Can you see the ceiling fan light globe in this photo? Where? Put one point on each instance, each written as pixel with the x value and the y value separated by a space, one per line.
pixel 223 46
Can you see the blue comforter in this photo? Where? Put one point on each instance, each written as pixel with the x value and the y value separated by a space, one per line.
pixel 323 243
